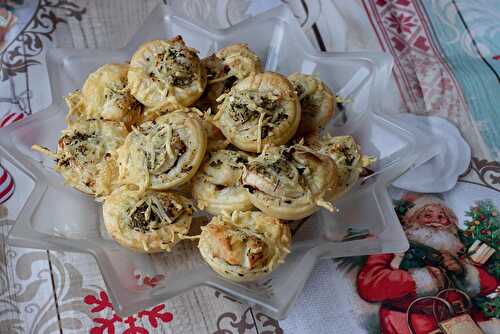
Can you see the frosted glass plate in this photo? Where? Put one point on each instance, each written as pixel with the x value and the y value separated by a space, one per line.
pixel 58 217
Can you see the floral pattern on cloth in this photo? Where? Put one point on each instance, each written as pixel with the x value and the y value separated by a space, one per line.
pixel 106 323
pixel 444 53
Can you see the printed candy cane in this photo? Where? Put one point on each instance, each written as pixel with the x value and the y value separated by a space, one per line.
pixel 6 185
pixel 6 182
pixel 10 118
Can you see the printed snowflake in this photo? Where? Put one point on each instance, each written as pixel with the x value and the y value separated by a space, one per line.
pixel 401 22
pixel 101 303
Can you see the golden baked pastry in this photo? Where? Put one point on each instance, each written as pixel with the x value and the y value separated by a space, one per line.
pixel 225 68
pixel 163 153
pixel 166 74
pixel 217 186
pixel 259 110
pixel 150 221
pixel 85 155
pixel 289 182
pixel 317 102
pixel 147 136
pixel 347 156
pixel 239 61
pixel 215 138
pixel 77 109
pixel 244 246
pixel 105 95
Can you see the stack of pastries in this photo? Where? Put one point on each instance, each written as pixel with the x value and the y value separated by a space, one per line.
pixel 245 143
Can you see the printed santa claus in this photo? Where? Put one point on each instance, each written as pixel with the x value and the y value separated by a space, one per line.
pixel 396 280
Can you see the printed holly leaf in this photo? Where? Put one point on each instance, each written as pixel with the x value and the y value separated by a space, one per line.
pixel 490 307
pixel 132 328
pixel 493 266
pixel 155 314
pixel 108 325
pixel 101 304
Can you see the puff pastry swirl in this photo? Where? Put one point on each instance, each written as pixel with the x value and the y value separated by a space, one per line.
pixel 317 102
pixel 163 153
pixel 346 154
pixel 289 182
pixel 85 155
pixel 165 75
pixel 224 69
pixel 244 246
pixel 105 95
pixel 150 221
pixel 259 110
pixel 217 186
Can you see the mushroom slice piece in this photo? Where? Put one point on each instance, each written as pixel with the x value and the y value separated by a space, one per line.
pixel 289 182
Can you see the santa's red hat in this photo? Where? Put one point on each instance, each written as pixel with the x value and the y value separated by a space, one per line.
pixel 421 202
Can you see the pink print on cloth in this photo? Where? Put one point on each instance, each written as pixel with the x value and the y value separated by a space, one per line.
pixel 401 22
pixel 106 323
pixel 424 79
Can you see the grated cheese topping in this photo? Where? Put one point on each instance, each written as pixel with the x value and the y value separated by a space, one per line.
pixel 255 113
pixel 246 245
pixel 346 154
pixel 85 155
pixel 163 153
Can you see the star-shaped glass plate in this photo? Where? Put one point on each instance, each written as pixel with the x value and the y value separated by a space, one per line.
pixel 58 217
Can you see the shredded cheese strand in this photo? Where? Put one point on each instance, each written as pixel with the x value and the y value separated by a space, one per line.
pixel 75 103
pixel 159 210
pixel 219 79
pixel 168 139
pixel 327 205
pixel 190 237
pixel 45 151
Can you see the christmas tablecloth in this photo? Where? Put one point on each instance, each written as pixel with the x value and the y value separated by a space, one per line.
pixel 447 64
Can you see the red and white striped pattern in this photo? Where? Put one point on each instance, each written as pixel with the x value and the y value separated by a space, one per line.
pixel 6 182
pixel 10 118
pixel 6 185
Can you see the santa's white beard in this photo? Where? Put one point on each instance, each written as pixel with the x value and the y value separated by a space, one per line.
pixel 441 240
